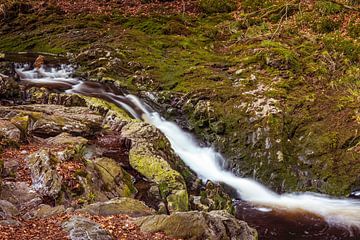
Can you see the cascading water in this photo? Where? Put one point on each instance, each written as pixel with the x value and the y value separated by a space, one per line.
pixel 203 160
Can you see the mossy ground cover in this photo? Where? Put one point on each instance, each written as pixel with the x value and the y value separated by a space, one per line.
pixel 305 56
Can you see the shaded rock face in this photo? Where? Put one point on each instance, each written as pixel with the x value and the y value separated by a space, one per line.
pixel 80 228
pixel 115 146
pixel 214 225
pixel 128 206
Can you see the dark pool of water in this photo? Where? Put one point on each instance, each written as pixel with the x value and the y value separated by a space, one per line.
pixel 282 225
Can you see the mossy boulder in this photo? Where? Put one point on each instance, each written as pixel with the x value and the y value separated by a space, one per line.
pixel 22 122
pixel 151 156
pixel 111 172
pixel 128 206
pixel 198 225
pixel 105 179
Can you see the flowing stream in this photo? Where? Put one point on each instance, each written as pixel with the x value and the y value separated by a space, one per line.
pixel 297 215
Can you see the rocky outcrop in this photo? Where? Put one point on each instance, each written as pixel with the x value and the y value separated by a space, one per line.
pixel 128 206
pixel 44 176
pixel 51 120
pixel 80 228
pixel 214 225
pixel 150 155
pixel 70 172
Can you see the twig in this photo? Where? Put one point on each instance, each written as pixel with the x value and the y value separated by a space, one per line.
pixel 280 22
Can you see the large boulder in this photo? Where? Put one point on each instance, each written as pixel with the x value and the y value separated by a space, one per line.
pixel 44 175
pixel 80 228
pixel 51 120
pixel 215 225
pixel 150 155
pixel 128 206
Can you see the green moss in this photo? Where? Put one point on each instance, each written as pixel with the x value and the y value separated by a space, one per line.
pixel 111 173
pixel 354 29
pixel 350 48
pixel 326 25
pixel 327 7
pixel 102 105
pixel 217 6
pixel 171 183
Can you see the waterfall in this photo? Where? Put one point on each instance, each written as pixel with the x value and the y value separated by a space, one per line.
pixel 203 160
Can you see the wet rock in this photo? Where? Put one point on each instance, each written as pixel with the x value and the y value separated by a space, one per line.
pixel 128 206
pixel 80 228
pixel 9 132
pixel 44 211
pixel 7 210
pixel 213 225
pixel 44 176
pixel 150 155
pixel 355 194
